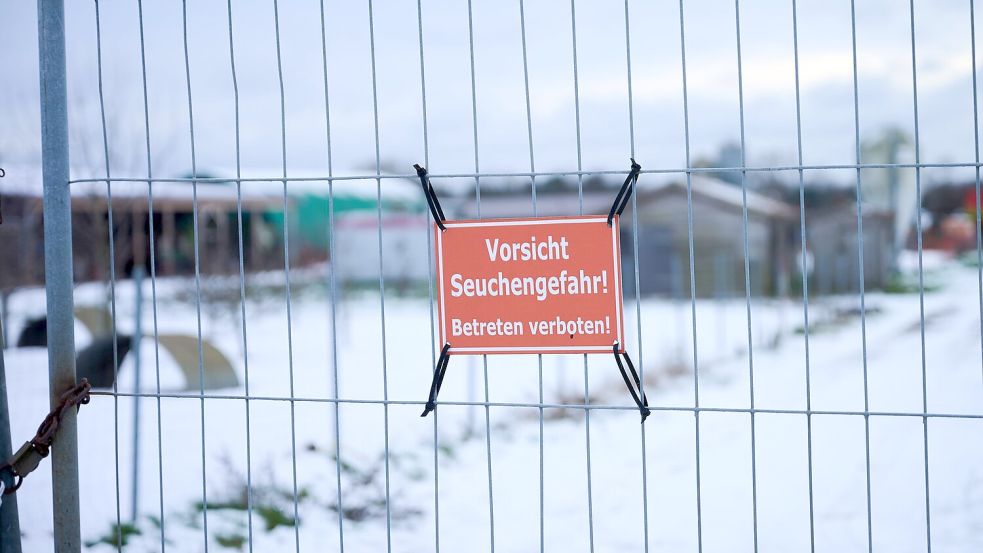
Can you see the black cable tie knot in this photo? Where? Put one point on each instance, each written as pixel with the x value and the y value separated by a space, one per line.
pixel 438 379
pixel 621 200
pixel 642 402
pixel 428 191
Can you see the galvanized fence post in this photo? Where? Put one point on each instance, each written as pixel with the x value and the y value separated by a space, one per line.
pixel 9 521
pixel 58 269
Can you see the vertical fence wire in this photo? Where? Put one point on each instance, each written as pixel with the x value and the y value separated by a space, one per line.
pixel 803 240
pixel 691 248
pixel 153 280
pixel 382 277
pixel 242 283
pixel 860 270
pixel 580 201
pixel 747 278
pixel 535 212
pixel 197 263
pixel 112 268
pixel 976 157
pixel 477 192
pixel 332 284
pixel 431 278
pixel 638 287
pixel 286 273
pixel 921 276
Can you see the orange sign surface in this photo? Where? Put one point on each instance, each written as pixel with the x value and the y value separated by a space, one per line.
pixel 537 285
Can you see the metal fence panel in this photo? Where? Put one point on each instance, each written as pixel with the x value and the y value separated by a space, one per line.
pixel 58 257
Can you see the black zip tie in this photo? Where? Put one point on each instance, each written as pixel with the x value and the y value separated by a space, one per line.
pixel 438 378
pixel 621 200
pixel 435 210
pixel 643 403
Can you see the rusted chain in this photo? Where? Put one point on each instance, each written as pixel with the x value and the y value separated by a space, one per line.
pixel 30 455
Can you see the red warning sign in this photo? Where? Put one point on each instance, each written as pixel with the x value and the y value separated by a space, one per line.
pixel 537 285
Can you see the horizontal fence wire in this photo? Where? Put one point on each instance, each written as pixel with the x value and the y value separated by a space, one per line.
pixel 519 174
pixel 530 405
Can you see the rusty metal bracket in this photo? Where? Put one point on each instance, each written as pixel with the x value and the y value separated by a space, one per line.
pixel 30 455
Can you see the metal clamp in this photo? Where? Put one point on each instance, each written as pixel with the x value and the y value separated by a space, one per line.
pixel 22 463
pixel 30 455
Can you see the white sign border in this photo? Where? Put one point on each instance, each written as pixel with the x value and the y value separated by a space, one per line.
pixel 527 222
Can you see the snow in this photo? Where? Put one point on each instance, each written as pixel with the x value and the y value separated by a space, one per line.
pixel 610 493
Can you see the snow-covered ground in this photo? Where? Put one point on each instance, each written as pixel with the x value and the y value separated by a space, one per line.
pixel 631 490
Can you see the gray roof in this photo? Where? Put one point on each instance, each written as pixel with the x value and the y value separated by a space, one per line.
pixel 723 194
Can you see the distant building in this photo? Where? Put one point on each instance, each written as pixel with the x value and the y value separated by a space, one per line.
pixel 663 233
pixel 402 242
pixel 835 250
pixel 398 227
pixel 950 210
pixel 718 241
pixel 170 217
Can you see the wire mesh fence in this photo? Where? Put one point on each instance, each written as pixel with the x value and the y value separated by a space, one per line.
pixel 306 331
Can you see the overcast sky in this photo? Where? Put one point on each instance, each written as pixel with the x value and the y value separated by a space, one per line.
pixel 944 65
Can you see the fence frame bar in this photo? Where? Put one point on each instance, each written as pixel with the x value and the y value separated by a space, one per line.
pixel 9 519
pixel 58 268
